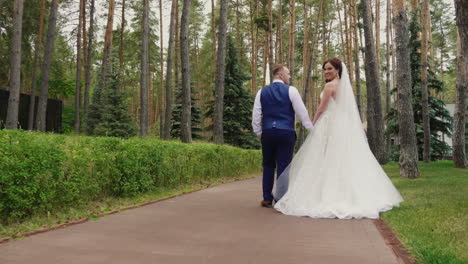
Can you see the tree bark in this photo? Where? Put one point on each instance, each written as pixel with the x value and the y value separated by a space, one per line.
pixel 144 78
pixel 37 52
pixel 407 133
pixel 357 70
pixel 76 122
pixel 177 49
pixel 213 30
pixel 387 59
pixel 292 31
pixel 218 132
pixel 107 45
pixel 186 120
pixel 424 88
pixel 459 137
pixel 270 38
pixel 46 65
pixel 375 126
pixel 15 72
pixel 122 32
pixel 377 35
pixel 308 69
pixel 162 116
pixel 89 56
pixel 170 52
pixel 85 44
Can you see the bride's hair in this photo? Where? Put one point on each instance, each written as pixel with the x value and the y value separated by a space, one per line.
pixel 336 63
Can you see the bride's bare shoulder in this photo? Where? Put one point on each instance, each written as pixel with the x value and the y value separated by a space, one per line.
pixel 333 85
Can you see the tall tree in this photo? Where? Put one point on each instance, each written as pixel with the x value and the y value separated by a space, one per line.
pixel 408 149
pixel 37 52
pixel 387 61
pixel 377 34
pixel 357 68
pixel 76 123
pixel 122 30
pixel 375 125
pixel 167 119
pixel 424 89
pixel 46 65
pixel 15 74
pixel 185 126
pixel 459 155
pixel 270 38
pixel 218 134
pixel 89 57
pixel 292 35
pixel 144 87
pixel 107 44
pixel 161 76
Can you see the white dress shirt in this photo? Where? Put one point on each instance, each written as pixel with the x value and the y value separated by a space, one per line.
pixel 298 106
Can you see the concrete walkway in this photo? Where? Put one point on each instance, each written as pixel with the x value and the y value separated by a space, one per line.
pixel 224 224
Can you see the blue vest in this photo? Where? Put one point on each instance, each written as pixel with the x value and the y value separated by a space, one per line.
pixel 277 109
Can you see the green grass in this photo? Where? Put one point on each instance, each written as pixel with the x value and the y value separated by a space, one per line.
pixel 432 222
pixel 95 210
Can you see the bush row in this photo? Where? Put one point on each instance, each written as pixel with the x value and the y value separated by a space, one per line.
pixel 40 173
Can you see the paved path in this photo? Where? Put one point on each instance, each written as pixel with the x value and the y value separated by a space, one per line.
pixel 223 224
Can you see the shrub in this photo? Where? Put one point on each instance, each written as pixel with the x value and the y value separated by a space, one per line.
pixel 45 172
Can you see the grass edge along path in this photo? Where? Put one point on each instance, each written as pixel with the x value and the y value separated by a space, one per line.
pixel 432 222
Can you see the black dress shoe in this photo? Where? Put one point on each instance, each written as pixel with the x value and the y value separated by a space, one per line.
pixel 267 204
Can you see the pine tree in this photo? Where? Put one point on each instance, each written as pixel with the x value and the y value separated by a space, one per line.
pixel 108 114
pixel 176 115
pixel 440 119
pixel 238 103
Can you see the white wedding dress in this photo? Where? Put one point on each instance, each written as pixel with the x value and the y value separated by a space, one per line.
pixel 334 174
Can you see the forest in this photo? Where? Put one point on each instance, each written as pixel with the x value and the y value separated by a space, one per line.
pixel 190 69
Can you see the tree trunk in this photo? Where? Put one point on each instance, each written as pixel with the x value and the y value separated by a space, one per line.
pixel 107 45
pixel 280 32
pixel 213 30
pixel 387 57
pixel 177 49
pixel 144 78
pixel 170 52
pixel 15 71
pixel 424 88
pixel 218 132
pixel 292 31
pixel 375 125
pixel 357 70
pixel 76 122
pixel 161 62
pixel 270 38
pixel 377 35
pixel 308 70
pixel 37 52
pixel 186 120
pixel 46 65
pixel 89 57
pixel 459 155
pixel 122 32
pixel 407 133
pixel 85 51
pixel 347 43
pixel 305 49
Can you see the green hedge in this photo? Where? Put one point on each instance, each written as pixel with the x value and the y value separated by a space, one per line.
pixel 40 173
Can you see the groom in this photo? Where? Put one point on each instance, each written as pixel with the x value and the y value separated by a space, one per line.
pixel 273 121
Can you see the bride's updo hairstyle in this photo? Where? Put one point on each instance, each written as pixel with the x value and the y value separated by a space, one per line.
pixel 336 63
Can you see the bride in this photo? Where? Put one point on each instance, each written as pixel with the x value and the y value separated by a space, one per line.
pixel 334 174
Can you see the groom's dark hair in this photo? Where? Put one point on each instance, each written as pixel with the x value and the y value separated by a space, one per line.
pixel 337 64
pixel 277 68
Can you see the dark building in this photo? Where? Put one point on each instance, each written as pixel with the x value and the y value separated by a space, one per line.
pixel 53 116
